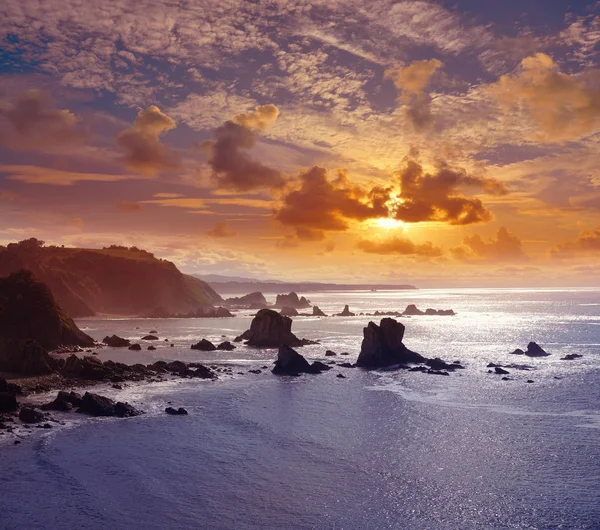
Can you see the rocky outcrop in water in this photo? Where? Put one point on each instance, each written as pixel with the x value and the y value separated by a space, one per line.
pixel 116 341
pixel 413 310
pixel 317 312
pixel 346 312
pixel 176 412
pixel 290 362
pixel 226 346
pixel 249 301
pixel 533 350
pixel 289 312
pixel 291 300
pixel 204 345
pixel 382 346
pixel 269 329
pixel 97 405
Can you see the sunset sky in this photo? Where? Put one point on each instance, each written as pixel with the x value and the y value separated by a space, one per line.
pixel 439 143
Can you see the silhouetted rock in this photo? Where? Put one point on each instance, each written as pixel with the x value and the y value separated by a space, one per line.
pixel 291 300
pixel 382 346
pixel 222 312
pixel 269 329
pixel 533 350
pixel 290 362
pixel 116 341
pixel 96 405
pixel 347 365
pixel 437 372
pixel 125 410
pixel 176 412
pixel 289 312
pixel 341 376
pixel 412 310
pixel 30 415
pixel 500 371
pixel 330 353
pixel 204 345
pixel 151 347
pixel 226 346
pixel 439 364
pixel 8 402
pixel 135 347
pixel 149 337
pixel 317 312
pixel 64 401
pixel 250 301
pixel 346 312
pixel 571 357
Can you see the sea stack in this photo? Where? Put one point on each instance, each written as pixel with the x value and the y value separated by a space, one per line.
pixel 269 329
pixel 382 346
pixel 317 312
pixel 346 312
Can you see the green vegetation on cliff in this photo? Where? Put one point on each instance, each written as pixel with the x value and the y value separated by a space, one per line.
pixel 115 280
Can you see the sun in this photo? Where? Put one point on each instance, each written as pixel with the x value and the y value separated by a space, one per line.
pixel 389 223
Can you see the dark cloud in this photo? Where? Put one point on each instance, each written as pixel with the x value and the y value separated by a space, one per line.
pixel 143 150
pixel 504 247
pixel 437 196
pixel 233 167
pixel 400 245
pixel 221 230
pixel 31 121
pixel 318 204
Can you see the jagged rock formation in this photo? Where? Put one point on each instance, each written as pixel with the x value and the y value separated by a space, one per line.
pixel 317 312
pixel 269 329
pixel 116 342
pixel 249 301
pixel 289 312
pixel 291 300
pixel 114 280
pixel 413 310
pixel 31 323
pixel 382 346
pixel 290 362
pixel 346 312
pixel 533 350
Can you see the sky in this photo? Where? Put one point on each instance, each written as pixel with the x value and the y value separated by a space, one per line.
pixel 438 143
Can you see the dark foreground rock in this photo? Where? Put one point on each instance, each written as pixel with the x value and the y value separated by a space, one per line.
pixel 269 329
pixel 64 402
pixel 533 350
pixel 31 415
pixel 204 345
pixel 116 341
pixel 97 405
pixel 382 346
pixel 290 362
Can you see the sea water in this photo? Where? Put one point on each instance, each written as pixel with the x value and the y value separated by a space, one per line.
pixel 381 449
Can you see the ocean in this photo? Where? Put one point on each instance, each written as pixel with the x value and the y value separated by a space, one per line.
pixel 374 450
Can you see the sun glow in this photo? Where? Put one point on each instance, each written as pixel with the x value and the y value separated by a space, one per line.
pixel 389 223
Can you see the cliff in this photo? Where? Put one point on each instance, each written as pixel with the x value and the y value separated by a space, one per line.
pixel 31 322
pixel 114 280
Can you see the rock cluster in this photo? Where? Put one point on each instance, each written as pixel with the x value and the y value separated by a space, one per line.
pixel 254 300
pixel 291 300
pixel 269 329
pixel 413 310
pixel 116 341
pixel 533 350
pixel 290 362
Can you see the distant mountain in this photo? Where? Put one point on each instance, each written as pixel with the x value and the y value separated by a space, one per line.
pixel 248 285
pixel 114 280
pixel 218 278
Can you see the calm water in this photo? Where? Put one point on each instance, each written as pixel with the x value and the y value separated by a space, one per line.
pixel 374 450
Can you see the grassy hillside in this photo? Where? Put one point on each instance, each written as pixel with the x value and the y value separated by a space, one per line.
pixel 114 280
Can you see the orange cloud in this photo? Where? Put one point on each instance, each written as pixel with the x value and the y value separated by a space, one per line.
pixel 233 167
pixel 131 207
pixel 436 197
pixel 505 246
pixel 412 80
pixel 563 106
pixel 221 230
pixel 56 177
pixel 587 242
pixel 399 245
pixel 32 122
pixel 141 144
pixel 319 204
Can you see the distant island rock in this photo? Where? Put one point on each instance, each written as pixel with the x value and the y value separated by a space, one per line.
pixel 413 310
pixel 114 280
pixel 317 312
pixel 254 300
pixel 202 312
pixel 31 324
pixel 346 312
pixel 291 300
pixel 533 350
pixel 290 362
pixel 270 329
pixel 382 346
pixel 289 312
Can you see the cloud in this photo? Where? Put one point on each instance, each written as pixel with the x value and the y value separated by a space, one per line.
pixel 233 167
pixel 399 245
pixel 504 247
pixel 318 204
pixel 141 144
pixel 56 177
pixel 562 106
pixel 412 80
pixel 167 195
pixel 131 207
pixel 436 196
pixel 31 121
pixel 221 230
pixel 587 242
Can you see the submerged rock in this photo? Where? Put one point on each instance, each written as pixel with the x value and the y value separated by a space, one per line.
pixel 382 346
pixel 571 357
pixel 176 412
pixel 149 337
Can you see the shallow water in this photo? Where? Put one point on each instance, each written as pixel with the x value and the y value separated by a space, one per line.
pixel 374 450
